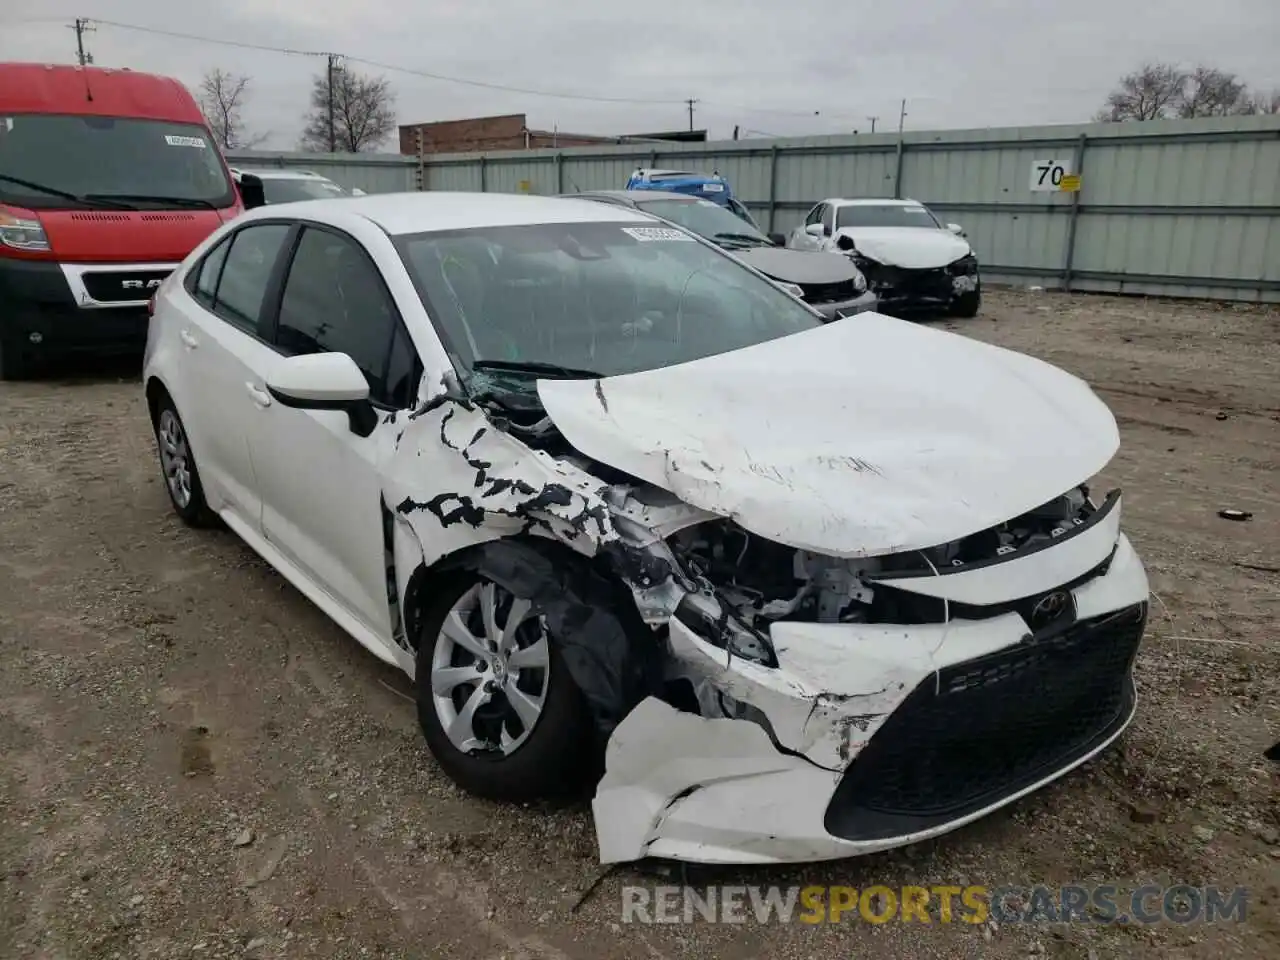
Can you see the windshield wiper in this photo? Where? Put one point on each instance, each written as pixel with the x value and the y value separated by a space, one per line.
pixel 743 238
pixel 535 368
pixel 151 198
pixel 88 201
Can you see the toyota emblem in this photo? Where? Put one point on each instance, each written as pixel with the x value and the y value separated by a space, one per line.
pixel 1049 607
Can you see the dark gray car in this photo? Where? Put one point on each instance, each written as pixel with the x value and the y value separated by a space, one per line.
pixel 828 282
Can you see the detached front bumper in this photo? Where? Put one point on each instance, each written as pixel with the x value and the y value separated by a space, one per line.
pixel 864 303
pixel 930 289
pixel 867 737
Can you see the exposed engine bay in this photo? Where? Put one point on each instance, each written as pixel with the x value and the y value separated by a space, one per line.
pixel 763 581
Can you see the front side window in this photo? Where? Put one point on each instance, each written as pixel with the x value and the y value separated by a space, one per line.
pixel 707 219
pixel 334 301
pixel 53 162
pixel 612 298
pixel 886 215
pixel 247 273
pixel 278 190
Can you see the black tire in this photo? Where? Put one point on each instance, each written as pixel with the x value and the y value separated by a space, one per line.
pixel 194 512
pixel 14 363
pixel 554 762
pixel 967 304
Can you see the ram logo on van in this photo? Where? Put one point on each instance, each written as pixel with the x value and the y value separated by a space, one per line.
pixel 142 284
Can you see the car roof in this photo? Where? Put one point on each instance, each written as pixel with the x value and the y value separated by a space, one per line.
pixel 406 213
pixel 873 202
pixel 635 196
pixel 278 174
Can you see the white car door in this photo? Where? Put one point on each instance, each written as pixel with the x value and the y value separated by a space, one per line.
pixel 220 313
pixel 800 238
pixel 320 482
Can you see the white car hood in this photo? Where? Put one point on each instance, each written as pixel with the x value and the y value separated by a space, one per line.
pixel 858 438
pixel 915 248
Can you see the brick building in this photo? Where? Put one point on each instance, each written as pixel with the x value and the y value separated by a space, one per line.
pixel 510 132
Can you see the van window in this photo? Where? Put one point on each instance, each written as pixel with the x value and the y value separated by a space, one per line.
pixel 73 161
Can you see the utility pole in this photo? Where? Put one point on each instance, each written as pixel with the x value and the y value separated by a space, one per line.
pixel 81 27
pixel 873 123
pixel 333 68
pixel 902 115
pixel 691 102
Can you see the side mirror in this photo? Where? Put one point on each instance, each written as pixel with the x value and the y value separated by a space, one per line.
pixel 324 381
pixel 251 194
pixel 778 239
pixel 357 192
pixel 815 229
pixel 956 229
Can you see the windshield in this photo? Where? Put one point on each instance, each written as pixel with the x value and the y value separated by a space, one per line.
pixel 286 191
pixel 77 156
pixel 885 215
pixel 612 298
pixel 707 219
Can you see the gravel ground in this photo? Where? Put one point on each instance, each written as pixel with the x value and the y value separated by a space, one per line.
pixel 196 763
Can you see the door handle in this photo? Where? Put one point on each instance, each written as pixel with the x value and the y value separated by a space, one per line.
pixel 260 397
pixel 188 340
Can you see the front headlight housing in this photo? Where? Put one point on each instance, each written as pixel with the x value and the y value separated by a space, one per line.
pixel 859 282
pixel 21 230
pixel 968 264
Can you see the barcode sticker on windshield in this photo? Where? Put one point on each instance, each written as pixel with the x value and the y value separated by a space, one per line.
pixel 184 142
pixel 647 234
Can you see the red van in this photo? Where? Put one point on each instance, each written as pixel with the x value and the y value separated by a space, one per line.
pixel 108 179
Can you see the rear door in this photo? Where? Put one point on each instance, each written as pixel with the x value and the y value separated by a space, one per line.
pixel 222 348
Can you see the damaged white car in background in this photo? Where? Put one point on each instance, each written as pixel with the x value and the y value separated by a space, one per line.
pixel 911 261
pixel 604 490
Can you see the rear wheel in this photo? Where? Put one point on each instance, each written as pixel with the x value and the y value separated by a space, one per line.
pixel 178 466
pixel 495 700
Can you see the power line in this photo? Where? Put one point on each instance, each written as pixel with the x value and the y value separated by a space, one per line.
pixel 444 78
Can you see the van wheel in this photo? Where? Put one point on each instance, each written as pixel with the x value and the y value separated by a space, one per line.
pixel 496 703
pixel 178 466
pixel 13 362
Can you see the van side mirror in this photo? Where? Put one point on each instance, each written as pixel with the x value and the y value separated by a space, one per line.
pixel 251 191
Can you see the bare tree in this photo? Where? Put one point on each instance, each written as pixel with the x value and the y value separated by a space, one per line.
pixel 349 112
pixel 1209 92
pixel 222 96
pixel 1151 92
pixel 1259 102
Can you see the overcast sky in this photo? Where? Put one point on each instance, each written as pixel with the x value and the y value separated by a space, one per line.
pixel 767 65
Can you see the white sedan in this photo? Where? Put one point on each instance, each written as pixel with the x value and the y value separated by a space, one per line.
pixel 606 492
pixel 911 261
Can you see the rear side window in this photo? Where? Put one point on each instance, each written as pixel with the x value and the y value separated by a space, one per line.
pixel 205 287
pixel 334 300
pixel 246 273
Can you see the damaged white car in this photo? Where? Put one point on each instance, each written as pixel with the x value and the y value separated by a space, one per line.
pixel 604 490
pixel 911 261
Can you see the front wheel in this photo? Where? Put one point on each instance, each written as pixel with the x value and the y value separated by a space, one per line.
pixel 496 703
pixel 967 304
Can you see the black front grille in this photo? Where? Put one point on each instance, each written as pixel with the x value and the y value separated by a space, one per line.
pixel 119 286
pixel 828 292
pixel 989 727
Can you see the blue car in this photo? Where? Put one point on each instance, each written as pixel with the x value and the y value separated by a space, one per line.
pixel 704 186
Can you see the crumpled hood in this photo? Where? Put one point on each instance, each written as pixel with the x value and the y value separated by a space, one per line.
pixel 852 439
pixel 915 248
pixel 799 266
